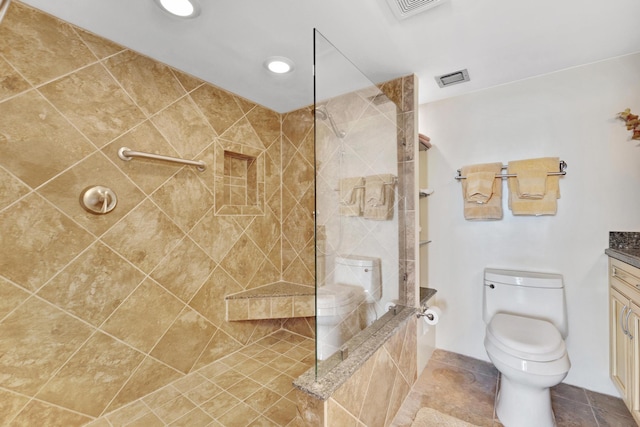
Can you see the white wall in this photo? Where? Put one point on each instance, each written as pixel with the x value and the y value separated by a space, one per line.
pixel 570 114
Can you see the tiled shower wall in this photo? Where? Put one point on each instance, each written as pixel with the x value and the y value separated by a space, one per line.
pixel 98 310
pixel 373 394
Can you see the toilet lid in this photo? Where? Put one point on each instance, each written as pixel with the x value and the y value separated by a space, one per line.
pixel 526 338
pixel 337 295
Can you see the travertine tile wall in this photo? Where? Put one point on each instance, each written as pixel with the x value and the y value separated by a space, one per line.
pixel 298 204
pixel 96 311
pixel 373 394
pixel 404 92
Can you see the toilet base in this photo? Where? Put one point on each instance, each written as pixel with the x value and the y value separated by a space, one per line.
pixel 519 405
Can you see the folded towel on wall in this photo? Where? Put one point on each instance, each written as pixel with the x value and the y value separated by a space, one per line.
pixel 379 197
pixel 480 186
pixel 492 208
pixel 548 203
pixel 351 196
pixel 532 184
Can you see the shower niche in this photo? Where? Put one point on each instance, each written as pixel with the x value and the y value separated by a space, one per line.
pixel 239 178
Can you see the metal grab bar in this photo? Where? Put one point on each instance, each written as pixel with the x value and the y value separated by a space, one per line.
pixel 127 154
pixel 4 5
pixel 562 166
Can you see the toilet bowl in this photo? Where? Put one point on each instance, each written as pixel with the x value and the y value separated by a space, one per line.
pixel 531 357
pixel 338 316
pixel 526 324
pixel 341 306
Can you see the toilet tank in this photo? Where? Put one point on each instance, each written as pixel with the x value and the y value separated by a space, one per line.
pixel 525 293
pixel 360 271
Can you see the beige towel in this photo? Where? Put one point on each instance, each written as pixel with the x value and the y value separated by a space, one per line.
pixel 548 204
pixel 374 189
pixel 532 184
pixel 379 197
pixel 351 196
pixel 479 186
pixel 490 210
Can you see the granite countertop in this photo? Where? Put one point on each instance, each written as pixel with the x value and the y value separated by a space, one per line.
pixel 333 373
pixel 629 256
pixel 426 294
pixel 624 246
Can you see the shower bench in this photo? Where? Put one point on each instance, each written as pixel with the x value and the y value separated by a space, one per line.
pixel 279 300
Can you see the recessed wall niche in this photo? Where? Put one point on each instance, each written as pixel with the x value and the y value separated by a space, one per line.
pixel 239 176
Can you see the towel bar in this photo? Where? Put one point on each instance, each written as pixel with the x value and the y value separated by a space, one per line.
pixel 127 154
pixel 394 182
pixel 562 166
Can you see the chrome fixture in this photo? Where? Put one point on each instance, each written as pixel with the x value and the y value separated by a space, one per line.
pixel 322 113
pixel 4 5
pixel 98 199
pixel 127 154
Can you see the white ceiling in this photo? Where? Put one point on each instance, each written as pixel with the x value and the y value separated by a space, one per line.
pixel 498 41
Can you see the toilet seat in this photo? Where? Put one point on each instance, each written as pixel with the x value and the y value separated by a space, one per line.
pixel 337 299
pixel 525 338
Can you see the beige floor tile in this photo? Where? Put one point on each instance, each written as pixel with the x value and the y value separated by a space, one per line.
pixel 572 414
pixel 262 399
pixel 196 417
pixel 238 416
pixel 282 412
pixel 281 384
pixel 219 405
pixel 458 385
pixel 570 392
pixel 263 422
pixel 265 375
pixel 244 388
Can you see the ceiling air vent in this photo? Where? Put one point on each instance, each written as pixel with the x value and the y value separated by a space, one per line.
pixel 453 78
pixel 406 8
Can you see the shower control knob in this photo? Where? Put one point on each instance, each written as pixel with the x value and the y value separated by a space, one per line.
pixel 98 200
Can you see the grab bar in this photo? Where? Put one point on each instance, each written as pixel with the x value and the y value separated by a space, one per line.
pixel 127 154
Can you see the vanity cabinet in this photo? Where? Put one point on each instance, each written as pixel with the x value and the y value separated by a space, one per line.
pixel 624 332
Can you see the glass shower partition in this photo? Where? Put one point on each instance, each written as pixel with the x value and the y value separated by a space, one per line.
pixel 358 241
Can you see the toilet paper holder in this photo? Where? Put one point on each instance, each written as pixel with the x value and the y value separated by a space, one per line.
pixel 423 313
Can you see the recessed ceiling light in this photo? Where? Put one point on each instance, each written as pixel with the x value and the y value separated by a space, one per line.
pixel 180 8
pixel 279 64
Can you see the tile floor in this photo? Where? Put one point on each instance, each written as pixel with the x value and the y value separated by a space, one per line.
pixel 465 388
pixel 251 387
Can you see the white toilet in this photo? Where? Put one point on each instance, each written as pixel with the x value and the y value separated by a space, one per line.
pixel 341 306
pixel 526 322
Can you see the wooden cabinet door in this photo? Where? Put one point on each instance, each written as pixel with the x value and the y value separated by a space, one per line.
pixel 619 362
pixel 634 355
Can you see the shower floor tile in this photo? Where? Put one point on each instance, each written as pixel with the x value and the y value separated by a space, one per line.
pixel 251 387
